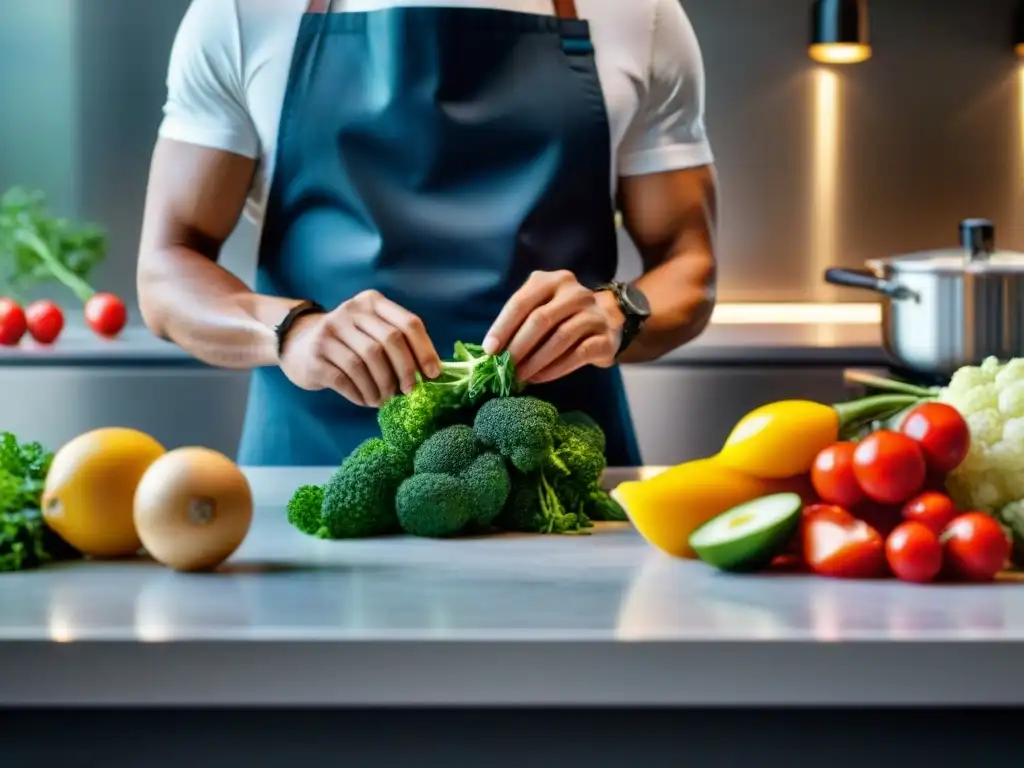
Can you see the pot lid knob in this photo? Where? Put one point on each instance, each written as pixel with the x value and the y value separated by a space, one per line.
pixel 978 238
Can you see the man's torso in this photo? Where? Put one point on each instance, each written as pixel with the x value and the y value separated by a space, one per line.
pixel 267 31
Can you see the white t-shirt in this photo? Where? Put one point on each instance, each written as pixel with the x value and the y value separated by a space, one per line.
pixel 230 62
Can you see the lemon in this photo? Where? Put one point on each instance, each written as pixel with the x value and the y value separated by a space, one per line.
pixel 90 490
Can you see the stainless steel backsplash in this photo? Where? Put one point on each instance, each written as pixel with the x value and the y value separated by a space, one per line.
pixel 817 167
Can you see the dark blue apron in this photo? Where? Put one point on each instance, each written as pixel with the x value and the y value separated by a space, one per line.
pixel 439 156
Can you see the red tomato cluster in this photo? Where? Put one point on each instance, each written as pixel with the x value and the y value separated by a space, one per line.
pixel 884 510
pixel 43 320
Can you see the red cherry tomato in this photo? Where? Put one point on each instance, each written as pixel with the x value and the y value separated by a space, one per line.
pixel 935 510
pixel 12 322
pixel 106 314
pixel 914 553
pixel 889 467
pixel 45 321
pixel 832 476
pixel 976 547
pixel 941 432
pixel 837 544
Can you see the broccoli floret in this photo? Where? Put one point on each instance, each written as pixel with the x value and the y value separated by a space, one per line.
pixel 466 380
pixel 580 448
pixel 305 509
pixel 449 451
pixel 584 466
pixel 488 484
pixel 455 486
pixel 433 505
pixel 582 425
pixel 359 499
pixel 522 429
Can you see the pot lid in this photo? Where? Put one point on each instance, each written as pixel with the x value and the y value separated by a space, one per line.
pixel 977 253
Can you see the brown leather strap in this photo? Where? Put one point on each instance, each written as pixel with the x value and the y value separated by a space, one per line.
pixel 566 9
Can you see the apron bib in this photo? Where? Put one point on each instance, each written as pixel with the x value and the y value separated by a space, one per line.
pixel 439 156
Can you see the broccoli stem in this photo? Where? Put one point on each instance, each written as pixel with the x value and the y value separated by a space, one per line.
pixel 557 520
pixel 71 281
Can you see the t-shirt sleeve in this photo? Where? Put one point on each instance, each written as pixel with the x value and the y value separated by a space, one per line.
pixel 668 132
pixel 206 102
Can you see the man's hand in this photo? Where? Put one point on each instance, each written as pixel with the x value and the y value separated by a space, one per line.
pixel 366 350
pixel 553 326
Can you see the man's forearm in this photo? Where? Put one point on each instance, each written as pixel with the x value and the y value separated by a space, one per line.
pixel 681 293
pixel 188 299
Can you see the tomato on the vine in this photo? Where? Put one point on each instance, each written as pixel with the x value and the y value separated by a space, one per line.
pixel 106 314
pixel 942 433
pixel 45 321
pixel 976 547
pixel 832 476
pixel 889 467
pixel 13 323
pixel 914 552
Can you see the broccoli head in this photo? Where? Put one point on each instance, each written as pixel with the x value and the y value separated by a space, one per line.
pixel 466 380
pixel 359 499
pixel 450 451
pixel 305 510
pixel 455 486
pixel 522 429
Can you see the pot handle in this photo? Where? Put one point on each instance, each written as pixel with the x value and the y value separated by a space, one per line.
pixel 863 278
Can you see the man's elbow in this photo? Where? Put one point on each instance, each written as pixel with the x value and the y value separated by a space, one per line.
pixel 150 307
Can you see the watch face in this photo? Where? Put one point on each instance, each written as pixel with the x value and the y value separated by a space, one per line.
pixel 635 300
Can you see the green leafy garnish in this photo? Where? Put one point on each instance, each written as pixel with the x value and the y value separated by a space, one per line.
pixel 37 247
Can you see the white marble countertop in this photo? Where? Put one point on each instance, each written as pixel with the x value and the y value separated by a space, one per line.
pixel 738 335
pixel 601 619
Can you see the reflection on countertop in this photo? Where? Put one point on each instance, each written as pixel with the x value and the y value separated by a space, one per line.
pixel 739 334
pixel 503 619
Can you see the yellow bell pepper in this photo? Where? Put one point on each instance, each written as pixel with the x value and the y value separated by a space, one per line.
pixel 668 507
pixel 782 439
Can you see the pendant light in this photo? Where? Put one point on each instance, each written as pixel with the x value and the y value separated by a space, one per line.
pixel 839 32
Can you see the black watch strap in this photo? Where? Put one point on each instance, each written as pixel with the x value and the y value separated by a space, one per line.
pixel 634 316
pixel 299 310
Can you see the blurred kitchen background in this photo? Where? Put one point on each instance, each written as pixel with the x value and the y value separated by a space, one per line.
pixel 819 166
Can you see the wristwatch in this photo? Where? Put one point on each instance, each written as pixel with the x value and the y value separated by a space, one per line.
pixel 635 308
pixel 299 310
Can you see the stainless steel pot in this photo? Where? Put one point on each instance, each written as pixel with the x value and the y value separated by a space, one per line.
pixel 945 309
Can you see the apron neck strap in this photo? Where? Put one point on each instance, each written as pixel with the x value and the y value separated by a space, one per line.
pixel 564 9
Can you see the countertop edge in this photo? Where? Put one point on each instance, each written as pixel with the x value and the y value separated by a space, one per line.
pixel 529 673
